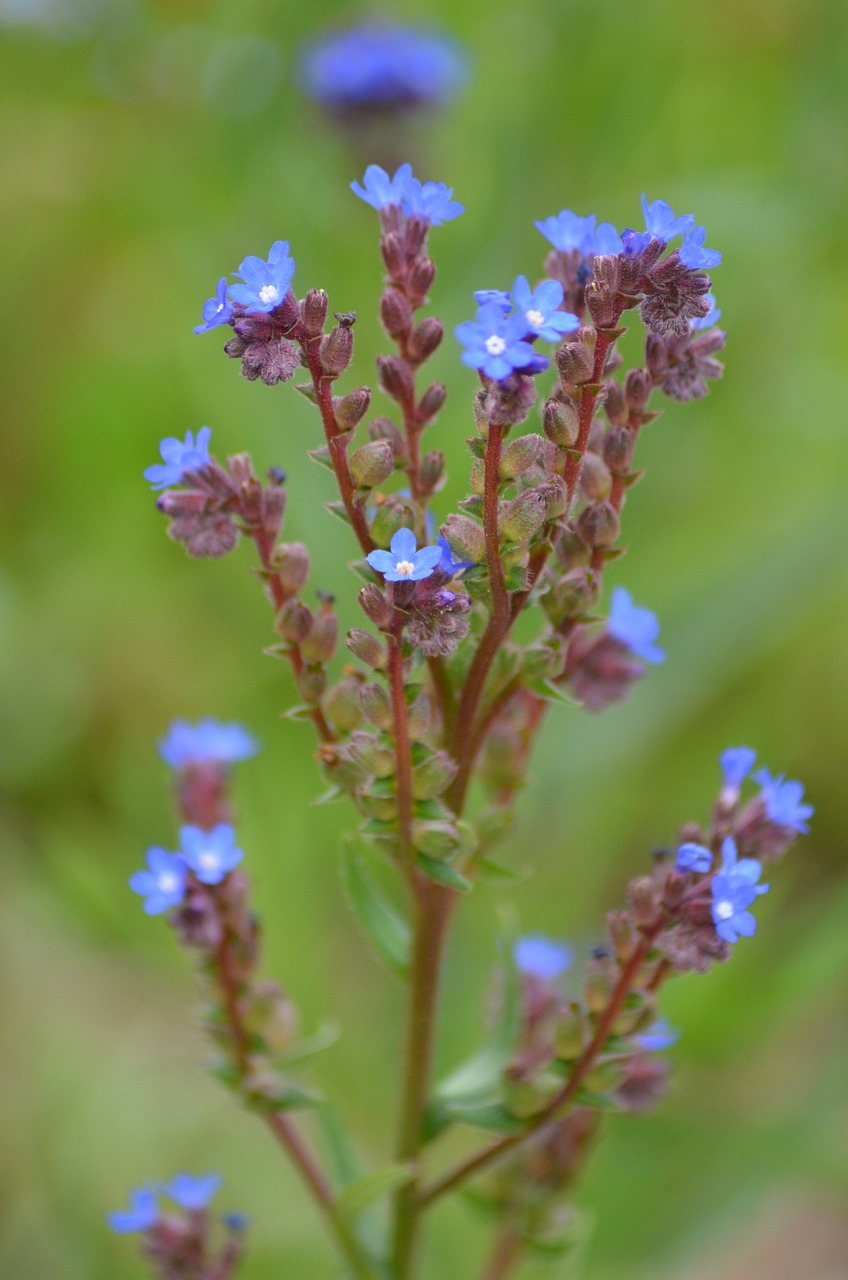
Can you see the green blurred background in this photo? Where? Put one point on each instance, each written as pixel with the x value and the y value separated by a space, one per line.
pixel 146 147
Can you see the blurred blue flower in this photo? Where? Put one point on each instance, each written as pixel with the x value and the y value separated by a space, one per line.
pixel 179 456
pixel 541 957
pixel 431 201
pixel 657 1037
pixel 208 742
pixel 379 190
pixel 734 889
pixel 567 231
pixel 605 239
pixel 217 310
pixel 693 857
pixel 382 66
pixel 163 885
pixel 447 564
pixel 495 343
pixel 736 764
pixel 539 308
pixel 265 283
pixel 141 1215
pixel 210 854
pixel 634 626
pixel 403 562
pixel 783 801
pixel 661 223
pixel 483 296
pixel 693 254
pixel 192 1193
pixel 712 317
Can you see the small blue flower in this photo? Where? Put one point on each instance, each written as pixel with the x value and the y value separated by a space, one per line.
pixel 382 66
pixel 208 742
pixel 179 456
pixel 657 1037
pixel 712 317
pixel 210 854
pixel 142 1214
pixel 693 254
pixel 634 242
pixel 483 296
pixel 447 564
pixel 433 202
pixel 783 801
pixel 693 857
pixel 634 626
pixel 217 310
pixel 604 240
pixel 540 309
pixel 734 889
pixel 569 231
pixel 661 223
pixel 736 764
pixel 541 957
pixel 236 1221
pixel 380 190
pixel 163 885
pixel 495 342
pixel 403 562
pixel 265 284
pixel 192 1193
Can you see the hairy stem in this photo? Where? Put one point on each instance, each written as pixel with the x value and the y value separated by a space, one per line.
pixel 506 1252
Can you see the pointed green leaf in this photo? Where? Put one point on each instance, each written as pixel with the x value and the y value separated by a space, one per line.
pixel 443 873
pixel 327 1034
pixel 382 924
pixel 374 1186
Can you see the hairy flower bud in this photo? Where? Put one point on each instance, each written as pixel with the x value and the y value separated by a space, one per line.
pixel 349 410
pixel 575 594
pixel 438 839
pixel 601 975
pixel 425 338
pixel 598 524
pixel 433 776
pixel 595 479
pixel 614 403
pixel 395 377
pixel 638 388
pixel 366 648
pixel 523 516
pixel 294 621
pixel 320 644
pixel 570 1033
pixel 519 455
pixel 619 444
pixel 375 705
pixel 621 933
pixel 383 428
pixel 341 701
pixel 372 463
pixel 395 313
pixel 392 252
pixel 373 753
pixel 393 513
pixel 313 312
pixel 560 422
pixel 570 549
pixel 642 897
pixel 431 470
pixel 466 537
pixel 421 278
pixel 336 350
pixel 290 562
pixel 430 403
pixel 375 606
pixel 575 363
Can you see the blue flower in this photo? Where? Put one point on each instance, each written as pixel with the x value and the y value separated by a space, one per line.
pixel 693 254
pixel 634 626
pixel 661 223
pixel 712 317
pixel 431 201
pixel 141 1215
pixel 541 957
pixel 210 854
pixel 164 884
pixel 604 240
pixel 402 562
pixel 540 309
pixel 382 66
pixel 693 857
pixel 783 801
pixel 265 283
pixel 734 889
pixel 483 296
pixel 634 242
pixel 179 456
pixel 568 231
pixel 657 1037
pixel 736 764
pixel 447 564
pixel 205 743
pixel 217 310
pixel 495 342
pixel 192 1193
pixel 380 190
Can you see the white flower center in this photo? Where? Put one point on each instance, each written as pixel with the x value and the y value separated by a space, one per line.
pixel 269 293
pixel 724 910
pixel 208 859
pixel 534 318
pixel 405 567
pixel 167 882
pixel 495 345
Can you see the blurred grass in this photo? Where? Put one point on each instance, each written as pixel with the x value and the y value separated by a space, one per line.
pixel 145 148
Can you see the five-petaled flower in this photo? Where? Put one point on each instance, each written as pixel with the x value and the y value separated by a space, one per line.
pixel 693 857
pixel 661 223
pixel 163 885
pixel 540 308
pixel 541 957
pixel 495 343
pixel 693 254
pixel 447 564
pixel 142 1214
pixel 265 283
pixel 217 310
pixel 208 742
pixel 568 230
pixel 178 457
pixel 379 190
pixel 432 202
pixel 784 801
pixel 403 562
pixel 634 626
pixel 192 1193
pixel 210 854
pixel 734 888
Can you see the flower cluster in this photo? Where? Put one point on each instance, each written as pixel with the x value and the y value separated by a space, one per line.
pixel 180 1244
pixel 499 342
pixel 382 67
pixel 430 202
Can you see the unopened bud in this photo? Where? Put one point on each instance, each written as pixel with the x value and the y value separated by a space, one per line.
pixel 377 803
pixel 466 537
pixel 619 444
pixel 311 684
pixel 437 839
pixel 418 716
pixel 375 606
pixel 336 350
pixel 555 493
pixel 519 455
pixel 425 338
pixel 391 248
pixel 431 778
pixel 372 463
pixel 523 516
pixel 638 388
pixel 320 644
pixel 431 402
pixel 366 648
pixel 575 363
pixel 376 706
pixel 384 429
pixel 291 564
pixel 431 470
pixel 595 479
pixel 395 313
pixel 341 702
pixel 560 422
pixel 575 594
pixel 373 754
pixel 570 1033
pixel 598 524
pixel 601 976
pixel 621 934
pixel 602 301
pixel 421 277
pixel 615 406
pixel 395 377
pixel 642 897
pixel 293 622
pixel 570 549
pixel 351 409
pixel 394 513
pixel 314 312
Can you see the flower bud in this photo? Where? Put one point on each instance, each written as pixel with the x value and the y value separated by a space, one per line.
pixel 341 702
pixel 395 313
pixel 395 377
pixel 421 278
pixel 438 839
pixel 431 470
pixel 384 429
pixel 642 897
pixel 570 1033
pixel 555 493
pixel 313 311
pixel 374 804
pixel 602 300
pixel 519 455
pixel 372 463
pixel 418 716
pixel 336 350
pixel 311 684
pixel 575 363
pixel 570 549
pixel 366 648
pixel 523 516
pixel 293 622
pixel 290 562
pixel 391 249
pixel 395 512
pixel 433 776
pixel 349 410
pixel 595 479
pixel 320 644
pixel 638 388
pixel 375 606
pixel 601 975
pixel 575 594
pixel 376 706
pixel 614 404
pixel 560 422
pixel 374 756
pixel 523 1098
pixel 425 338
pixel 431 402
pixel 598 524
pixel 618 447
pixel 345 772
pixel 621 933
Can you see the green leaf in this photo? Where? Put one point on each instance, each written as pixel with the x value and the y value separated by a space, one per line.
pixel 327 1034
pixel 494 873
pixel 268 1095
pixel 321 456
pixel 328 797
pixel 342 1156
pixel 338 509
pixel 491 1116
pixel 443 873
pixel 551 692
pixel 374 1186
pixel 382 924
